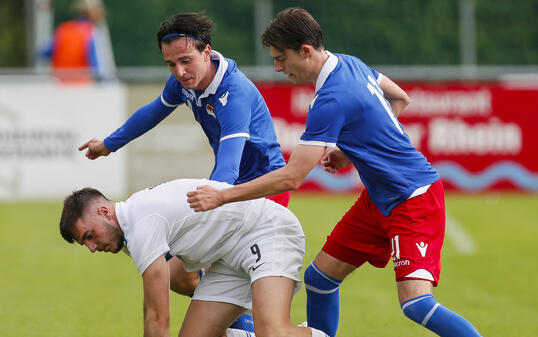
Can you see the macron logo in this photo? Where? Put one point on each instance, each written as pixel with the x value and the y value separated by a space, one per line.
pixel 224 99
pixel 422 248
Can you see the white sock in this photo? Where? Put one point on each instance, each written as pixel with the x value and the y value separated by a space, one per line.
pixel 238 333
pixel 318 333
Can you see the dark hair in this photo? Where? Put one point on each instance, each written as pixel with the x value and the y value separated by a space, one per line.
pixel 292 28
pixel 74 206
pixel 195 24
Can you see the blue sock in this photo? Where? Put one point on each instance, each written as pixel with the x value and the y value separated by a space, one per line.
pixel 322 300
pixel 426 311
pixel 244 322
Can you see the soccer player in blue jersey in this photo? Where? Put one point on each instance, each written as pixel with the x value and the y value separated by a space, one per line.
pixel 227 105
pixel 400 214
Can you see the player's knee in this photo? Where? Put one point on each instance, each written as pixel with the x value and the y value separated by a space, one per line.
pixel 418 308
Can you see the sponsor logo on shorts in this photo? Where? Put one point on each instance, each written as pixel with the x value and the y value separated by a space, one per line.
pixel 254 268
pixel 422 248
pixel 401 263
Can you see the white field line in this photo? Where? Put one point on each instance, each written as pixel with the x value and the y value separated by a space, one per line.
pixel 461 239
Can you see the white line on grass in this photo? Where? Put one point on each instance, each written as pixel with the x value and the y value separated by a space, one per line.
pixel 462 240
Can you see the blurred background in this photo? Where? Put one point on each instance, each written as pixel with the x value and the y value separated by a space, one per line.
pixel 469 66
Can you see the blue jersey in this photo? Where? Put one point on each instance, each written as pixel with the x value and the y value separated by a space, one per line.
pixel 349 111
pixel 232 114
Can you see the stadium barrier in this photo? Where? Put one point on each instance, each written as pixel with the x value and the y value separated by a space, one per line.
pixel 41 126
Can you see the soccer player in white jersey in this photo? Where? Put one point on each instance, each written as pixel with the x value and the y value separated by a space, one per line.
pixel 401 214
pixel 255 249
pixel 229 108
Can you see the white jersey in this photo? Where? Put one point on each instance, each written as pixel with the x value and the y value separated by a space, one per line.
pixel 158 219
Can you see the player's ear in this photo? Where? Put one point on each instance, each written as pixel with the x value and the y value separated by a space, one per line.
pixel 103 210
pixel 305 51
pixel 207 52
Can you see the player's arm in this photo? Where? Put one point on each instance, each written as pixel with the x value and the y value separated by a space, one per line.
pixel 143 120
pixel 156 280
pixel 228 160
pixel 234 116
pixel 334 160
pixel 287 178
pixel 397 98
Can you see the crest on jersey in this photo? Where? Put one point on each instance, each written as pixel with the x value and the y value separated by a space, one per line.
pixel 210 110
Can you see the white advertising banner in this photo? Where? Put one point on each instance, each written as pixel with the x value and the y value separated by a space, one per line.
pixel 41 127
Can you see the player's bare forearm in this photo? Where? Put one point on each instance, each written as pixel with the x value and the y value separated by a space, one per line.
pixel 287 178
pixel 279 181
pixel 156 329
pixel 206 197
pixel 156 280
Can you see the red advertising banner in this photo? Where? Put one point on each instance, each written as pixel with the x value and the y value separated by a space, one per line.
pixel 479 136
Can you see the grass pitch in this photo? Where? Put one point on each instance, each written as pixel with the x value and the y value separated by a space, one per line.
pixel 51 288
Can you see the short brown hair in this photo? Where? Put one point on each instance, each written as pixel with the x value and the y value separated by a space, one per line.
pixel 74 206
pixel 292 28
pixel 197 25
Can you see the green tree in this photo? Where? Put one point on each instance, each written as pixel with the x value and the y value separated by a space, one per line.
pixel 12 34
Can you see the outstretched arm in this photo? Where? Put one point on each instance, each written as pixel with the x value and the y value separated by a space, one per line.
pixel 397 98
pixel 287 178
pixel 143 120
pixel 96 148
pixel 156 280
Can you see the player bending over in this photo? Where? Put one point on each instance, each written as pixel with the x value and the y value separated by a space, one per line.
pixel 255 249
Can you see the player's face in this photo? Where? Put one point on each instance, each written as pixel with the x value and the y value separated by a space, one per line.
pixel 291 63
pixel 188 65
pixel 99 233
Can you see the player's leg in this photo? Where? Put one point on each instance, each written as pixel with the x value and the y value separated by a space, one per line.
pixel 417 233
pixel 349 245
pixel 419 304
pixel 209 319
pixel 184 283
pixel 271 302
pixel 322 279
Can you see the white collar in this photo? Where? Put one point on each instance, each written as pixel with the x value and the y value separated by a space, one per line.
pixel 212 88
pixel 326 70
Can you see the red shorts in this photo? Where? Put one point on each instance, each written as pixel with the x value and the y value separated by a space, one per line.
pixel 282 198
pixel 412 234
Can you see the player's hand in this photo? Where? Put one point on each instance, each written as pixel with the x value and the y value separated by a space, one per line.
pixel 96 148
pixel 204 198
pixel 334 160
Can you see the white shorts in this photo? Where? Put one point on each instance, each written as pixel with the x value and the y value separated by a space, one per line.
pixel 275 246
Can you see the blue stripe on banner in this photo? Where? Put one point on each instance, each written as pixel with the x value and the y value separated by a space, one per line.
pixel 449 171
pixel 334 182
pixel 508 170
